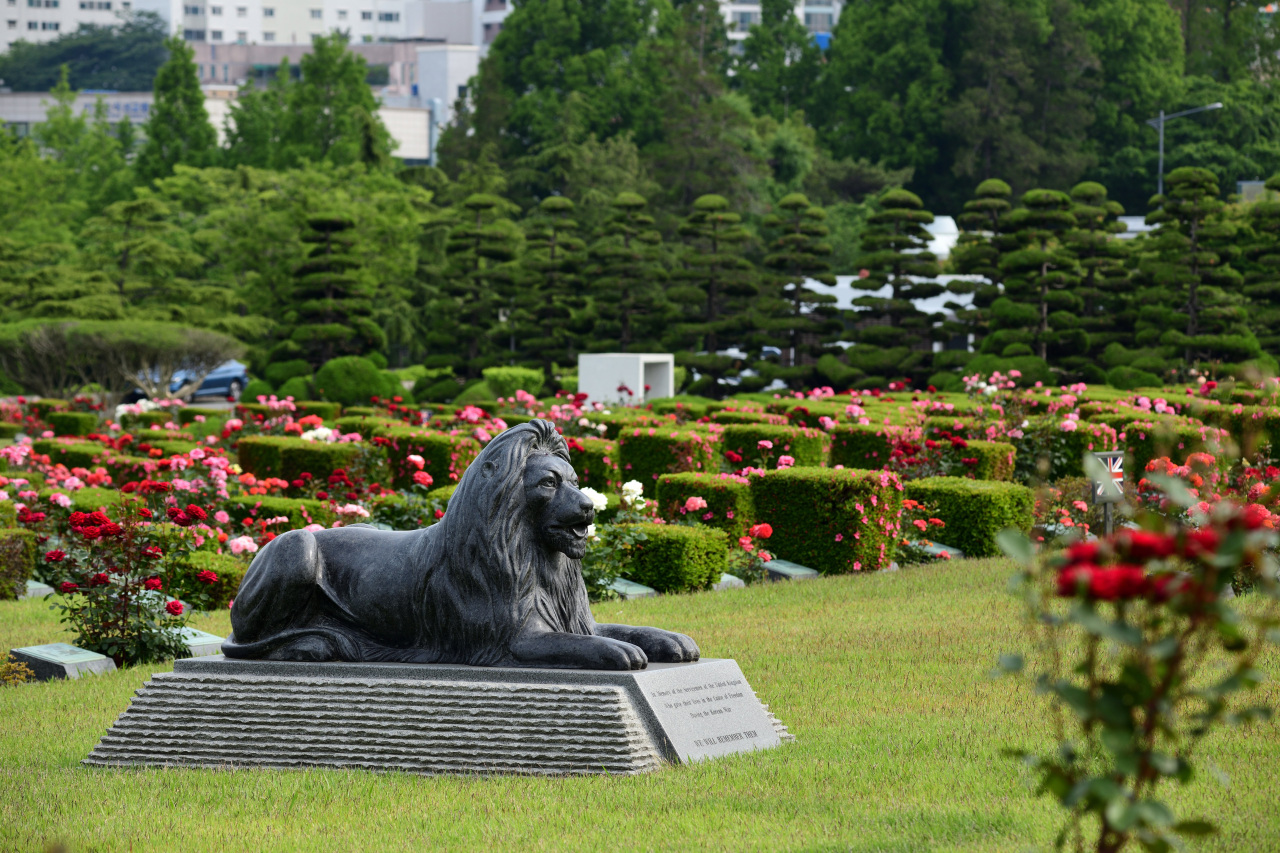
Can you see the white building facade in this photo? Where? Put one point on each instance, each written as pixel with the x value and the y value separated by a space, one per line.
pixel 39 21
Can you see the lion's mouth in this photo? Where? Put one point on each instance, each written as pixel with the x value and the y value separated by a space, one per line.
pixel 576 531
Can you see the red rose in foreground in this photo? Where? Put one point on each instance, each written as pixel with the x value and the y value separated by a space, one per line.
pixel 178 517
pixel 89 532
pixel 1142 545
pixel 111 529
pixel 1117 582
pixel 196 512
pixel 153 583
pixel 100 579
pixel 761 531
pixel 174 607
pixel 55 556
pixel 68 587
pixel 207 576
pixel 153 552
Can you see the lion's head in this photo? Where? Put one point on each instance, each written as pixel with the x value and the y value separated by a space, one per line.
pixel 514 532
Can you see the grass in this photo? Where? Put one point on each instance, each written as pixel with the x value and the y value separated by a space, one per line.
pixel 883 679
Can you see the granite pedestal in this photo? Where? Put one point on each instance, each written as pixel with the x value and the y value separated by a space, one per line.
pixel 215 712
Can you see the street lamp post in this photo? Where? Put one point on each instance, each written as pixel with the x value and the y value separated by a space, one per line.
pixel 1158 124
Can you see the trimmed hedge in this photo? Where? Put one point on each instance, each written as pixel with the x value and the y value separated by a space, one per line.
pixel 42 408
pixel 646 453
pixel 9 430
pixel 995 459
pixel 144 420
pixel 323 410
pixel 93 498
pixel 835 521
pixel 363 412
pixel 974 511
pixel 442 493
pixel 1250 426
pixel 301 511
pixel 810 448
pixel 72 423
pixel 675 558
pixel 230 571
pixel 860 446
pixel 189 414
pixel 685 407
pixel 728 499
pixel 173 448
pixel 446 456
pixel 73 455
pixel 8 514
pixel 366 425
pixel 730 417
pixel 1147 440
pixel 18 561
pixel 596 463
pixel 317 458
pixel 624 419
pixel 259 455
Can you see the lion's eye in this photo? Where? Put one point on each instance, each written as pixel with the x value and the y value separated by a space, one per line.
pixel 549 482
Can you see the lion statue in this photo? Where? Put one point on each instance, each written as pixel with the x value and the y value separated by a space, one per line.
pixel 496 582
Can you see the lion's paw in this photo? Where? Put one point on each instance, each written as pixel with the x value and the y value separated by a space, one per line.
pixel 664 646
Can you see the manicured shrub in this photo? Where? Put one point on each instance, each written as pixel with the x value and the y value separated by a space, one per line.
pixel 835 521
pixel 362 412
pixel 300 511
pixel 995 459
pixel 646 453
pixel 8 514
pixel 974 511
pixel 728 498
pixel 230 571
pixel 686 407
pixel 476 394
pixel 596 462
pixel 72 423
pixel 280 372
pixel 73 455
pixel 189 414
pixel 322 410
pixel 173 448
pixel 446 456
pixel 43 408
pixel 366 426
pixel 145 420
pixel 808 447
pixel 1145 440
pixel 619 419
pixel 257 388
pixel 317 458
pixel 860 446
pixel 351 380
pixel 125 468
pixel 94 498
pixel 17 561
pixel 442 493
pixel 727 417
pixel 259 455
pixel 9 430
pixel 1251 427
pixel 299 387
pixel 675 558
pixel 506 381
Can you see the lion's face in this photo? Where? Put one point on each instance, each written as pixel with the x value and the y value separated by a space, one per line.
pixel 558 510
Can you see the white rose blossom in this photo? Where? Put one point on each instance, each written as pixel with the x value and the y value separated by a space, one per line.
pixel 598 500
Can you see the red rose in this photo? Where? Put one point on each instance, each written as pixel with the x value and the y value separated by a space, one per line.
pixel 439 513
pixel 174 607
pixel 99 517
pixel 297 484
pixel 78 519
pixel 55 556
pixel 1073 579
pixel 1254 516
pixel 322 495
pixel 1142 545
pixel 111 529
pixel 67 587
pixel 177 516
pixel 153 583
pixel 207 577
pixel 129 488
pixel 1202 541
pixel 761 531
pixel 100 579
pixel 152 552
pixel 196 512
pixel 145 513
pixel 1117 582
pixel 1083 552
pixel 89 533
pixel 1165 587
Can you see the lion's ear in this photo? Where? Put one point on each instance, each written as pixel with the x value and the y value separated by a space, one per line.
pixel 489 467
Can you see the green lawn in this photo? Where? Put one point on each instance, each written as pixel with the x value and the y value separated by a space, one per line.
pixel 883 679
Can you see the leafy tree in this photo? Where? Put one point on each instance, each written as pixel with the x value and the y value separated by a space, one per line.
pixel 143 254
pixel 627 277
pixel 896 247
pixel 88 150
pixel 805 318
pixel 333 305
pixel 178 129
pixel 123 57
pixel 1229 40
pixel 780 65
pixel 1039 281
pixel 555 302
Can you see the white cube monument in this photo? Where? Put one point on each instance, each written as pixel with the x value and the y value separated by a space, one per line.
pixel 605 377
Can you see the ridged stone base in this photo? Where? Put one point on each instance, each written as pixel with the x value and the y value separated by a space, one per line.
pixel 212 712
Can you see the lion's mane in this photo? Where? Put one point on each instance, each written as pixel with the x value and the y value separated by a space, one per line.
pixel 489 571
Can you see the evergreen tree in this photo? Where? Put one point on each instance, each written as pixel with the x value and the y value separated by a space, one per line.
pixel 1105 310
pixel 977 252
pixel 716 284
pixel 804 319
pixel 627 277
pixel 1188 263
pixel 122 57
pixel 87 149
pixel 147 258
pixel 554 301
pixel 333 304
pixel 780 64
pixel 178 129
pixel 1039 278
pixel 1262 281
pixel 896 244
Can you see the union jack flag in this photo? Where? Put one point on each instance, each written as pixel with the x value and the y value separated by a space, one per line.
pixel 1113 462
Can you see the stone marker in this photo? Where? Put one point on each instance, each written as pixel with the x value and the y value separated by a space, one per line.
pixel 201 643
pixel 630 589
pixel 935 549
pixel 729 582
pixel 61 660
pixel 35 589
pixel 785 570
pixel 429 718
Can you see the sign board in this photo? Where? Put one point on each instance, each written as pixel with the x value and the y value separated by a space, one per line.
pixel 1109 488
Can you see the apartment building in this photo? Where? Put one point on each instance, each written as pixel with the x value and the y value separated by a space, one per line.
pixel 44 20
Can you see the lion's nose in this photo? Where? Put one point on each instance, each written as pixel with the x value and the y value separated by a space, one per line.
pixel 586 507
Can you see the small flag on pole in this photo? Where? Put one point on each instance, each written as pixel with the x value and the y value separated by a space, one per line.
pixel 1110 490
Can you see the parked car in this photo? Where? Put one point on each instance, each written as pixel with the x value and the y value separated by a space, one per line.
pixel 226 380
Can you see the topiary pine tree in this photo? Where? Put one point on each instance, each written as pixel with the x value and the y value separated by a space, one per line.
pixel 1188 260
pixel 178 129
pixel 896 243
pixel 715 287
pixel 797 254
pixel 554 258
pixel 1105 313
pixel 1038 280
pixel 333 303
pixel 627 277
pixel 978 250
pixel 1262 278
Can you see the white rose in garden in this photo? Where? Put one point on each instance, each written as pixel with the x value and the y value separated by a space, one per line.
pixel 598 500
pixel 632 489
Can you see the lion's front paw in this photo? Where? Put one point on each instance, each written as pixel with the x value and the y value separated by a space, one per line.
pixel 578 651
pixel 664 646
